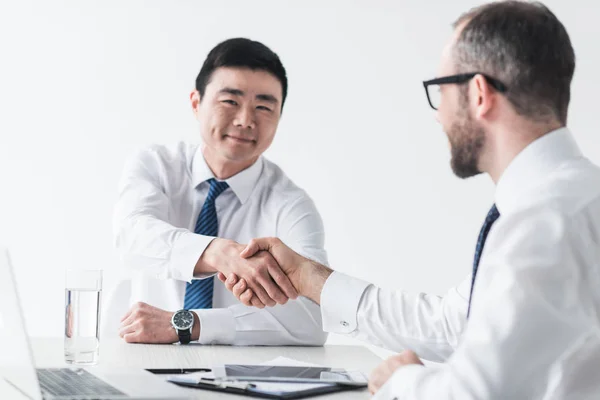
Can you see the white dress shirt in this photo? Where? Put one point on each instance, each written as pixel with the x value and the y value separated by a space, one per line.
pixel 534 327
pixel 161 195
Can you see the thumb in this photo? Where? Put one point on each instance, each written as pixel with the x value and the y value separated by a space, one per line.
pixel 409 356
pixel 254 247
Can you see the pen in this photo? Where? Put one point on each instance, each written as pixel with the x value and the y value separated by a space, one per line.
pixel 177 370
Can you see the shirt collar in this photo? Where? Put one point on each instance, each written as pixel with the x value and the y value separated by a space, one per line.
pixel 532 165
pixel 242 183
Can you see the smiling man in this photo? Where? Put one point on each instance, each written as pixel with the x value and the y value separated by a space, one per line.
pixel 183 211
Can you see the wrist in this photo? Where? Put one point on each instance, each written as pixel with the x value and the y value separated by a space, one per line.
pixel 211 260
pixel 311 280
pixel 174 334
pixel 196 327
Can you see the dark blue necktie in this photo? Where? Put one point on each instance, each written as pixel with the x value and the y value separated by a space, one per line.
pixel 492 216
pixel 199 293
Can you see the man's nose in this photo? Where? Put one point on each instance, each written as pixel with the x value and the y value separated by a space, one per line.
pixel 245 118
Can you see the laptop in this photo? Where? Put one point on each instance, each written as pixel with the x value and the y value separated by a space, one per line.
pixel 18 372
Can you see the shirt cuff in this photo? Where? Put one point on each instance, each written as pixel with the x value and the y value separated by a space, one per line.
pixel 217 326
pixel 401 384
pixel 185 255
pixel 340 298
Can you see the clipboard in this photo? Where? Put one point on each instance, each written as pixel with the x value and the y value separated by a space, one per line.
pixel 265 389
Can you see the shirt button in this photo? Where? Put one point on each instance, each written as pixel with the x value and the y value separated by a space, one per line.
pixel 344 324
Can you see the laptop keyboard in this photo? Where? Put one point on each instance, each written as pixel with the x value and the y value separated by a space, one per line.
pixel 67 382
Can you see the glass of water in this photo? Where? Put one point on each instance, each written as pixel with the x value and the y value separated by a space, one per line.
pixel 83 289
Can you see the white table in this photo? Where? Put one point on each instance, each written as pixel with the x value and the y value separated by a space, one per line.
pixel 48 352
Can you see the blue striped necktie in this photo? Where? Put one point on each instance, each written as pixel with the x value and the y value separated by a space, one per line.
pixel 492 216
pixel 199 293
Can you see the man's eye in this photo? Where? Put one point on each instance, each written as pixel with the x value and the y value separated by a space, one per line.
pixel 232 102
pixel 263 108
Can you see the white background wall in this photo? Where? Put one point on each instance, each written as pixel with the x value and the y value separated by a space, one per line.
pixel 83 83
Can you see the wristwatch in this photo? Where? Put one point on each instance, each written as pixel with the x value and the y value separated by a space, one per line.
pixel 183 321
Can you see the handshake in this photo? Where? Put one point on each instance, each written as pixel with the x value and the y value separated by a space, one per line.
pixel 265 272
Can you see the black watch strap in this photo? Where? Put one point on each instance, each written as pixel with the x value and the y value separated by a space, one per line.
pixel 185 336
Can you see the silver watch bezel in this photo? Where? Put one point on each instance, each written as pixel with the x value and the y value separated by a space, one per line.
pixel 182 328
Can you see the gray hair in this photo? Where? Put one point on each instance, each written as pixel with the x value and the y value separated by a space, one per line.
pixel 524 46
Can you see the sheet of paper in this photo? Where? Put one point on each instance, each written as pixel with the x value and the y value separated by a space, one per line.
pixel 278 362
pixel 271 387
pixel 194 377
pixel 288 362
pixel 285 387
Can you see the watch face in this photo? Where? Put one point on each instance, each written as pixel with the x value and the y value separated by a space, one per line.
pixel 183 319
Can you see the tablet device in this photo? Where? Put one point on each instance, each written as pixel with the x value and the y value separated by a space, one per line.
pixel 270 373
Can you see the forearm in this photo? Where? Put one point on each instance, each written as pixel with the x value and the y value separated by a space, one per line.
pixel 297 323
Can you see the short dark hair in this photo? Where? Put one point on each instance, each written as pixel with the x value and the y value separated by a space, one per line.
pixel 526 47
pixel 242 53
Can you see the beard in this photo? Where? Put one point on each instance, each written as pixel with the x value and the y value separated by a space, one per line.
pixel 467 139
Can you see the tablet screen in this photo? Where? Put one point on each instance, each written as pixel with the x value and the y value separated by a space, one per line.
pixel 289 373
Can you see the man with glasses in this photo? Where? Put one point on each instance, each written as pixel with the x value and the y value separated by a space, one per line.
pixel 524 324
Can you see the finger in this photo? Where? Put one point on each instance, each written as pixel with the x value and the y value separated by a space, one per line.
pixel 411 355
pixel 246 297
pixel 135 310
pixel 231 282
pixel 239 288
pixel 257 303
pixel 126 329
pixel 408 357
pixel 252 300
pixel 283 282
pixel 255 246
pixel 127 314
pixel 262 295
pixel 131 338
pixel 221 277
pixel 375 381
pixel 271 288
pixel 130 320
pixel 254 284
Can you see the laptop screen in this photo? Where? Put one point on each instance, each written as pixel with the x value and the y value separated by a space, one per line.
pixel 16 363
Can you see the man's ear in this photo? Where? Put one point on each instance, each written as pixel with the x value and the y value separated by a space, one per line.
pixel 195 100
pixel 482 95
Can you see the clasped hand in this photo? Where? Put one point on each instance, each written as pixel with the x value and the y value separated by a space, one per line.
pixel 261 269
pixel 268 258
pixel 265 283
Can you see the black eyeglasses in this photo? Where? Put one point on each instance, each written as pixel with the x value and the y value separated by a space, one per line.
pixel 433 93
